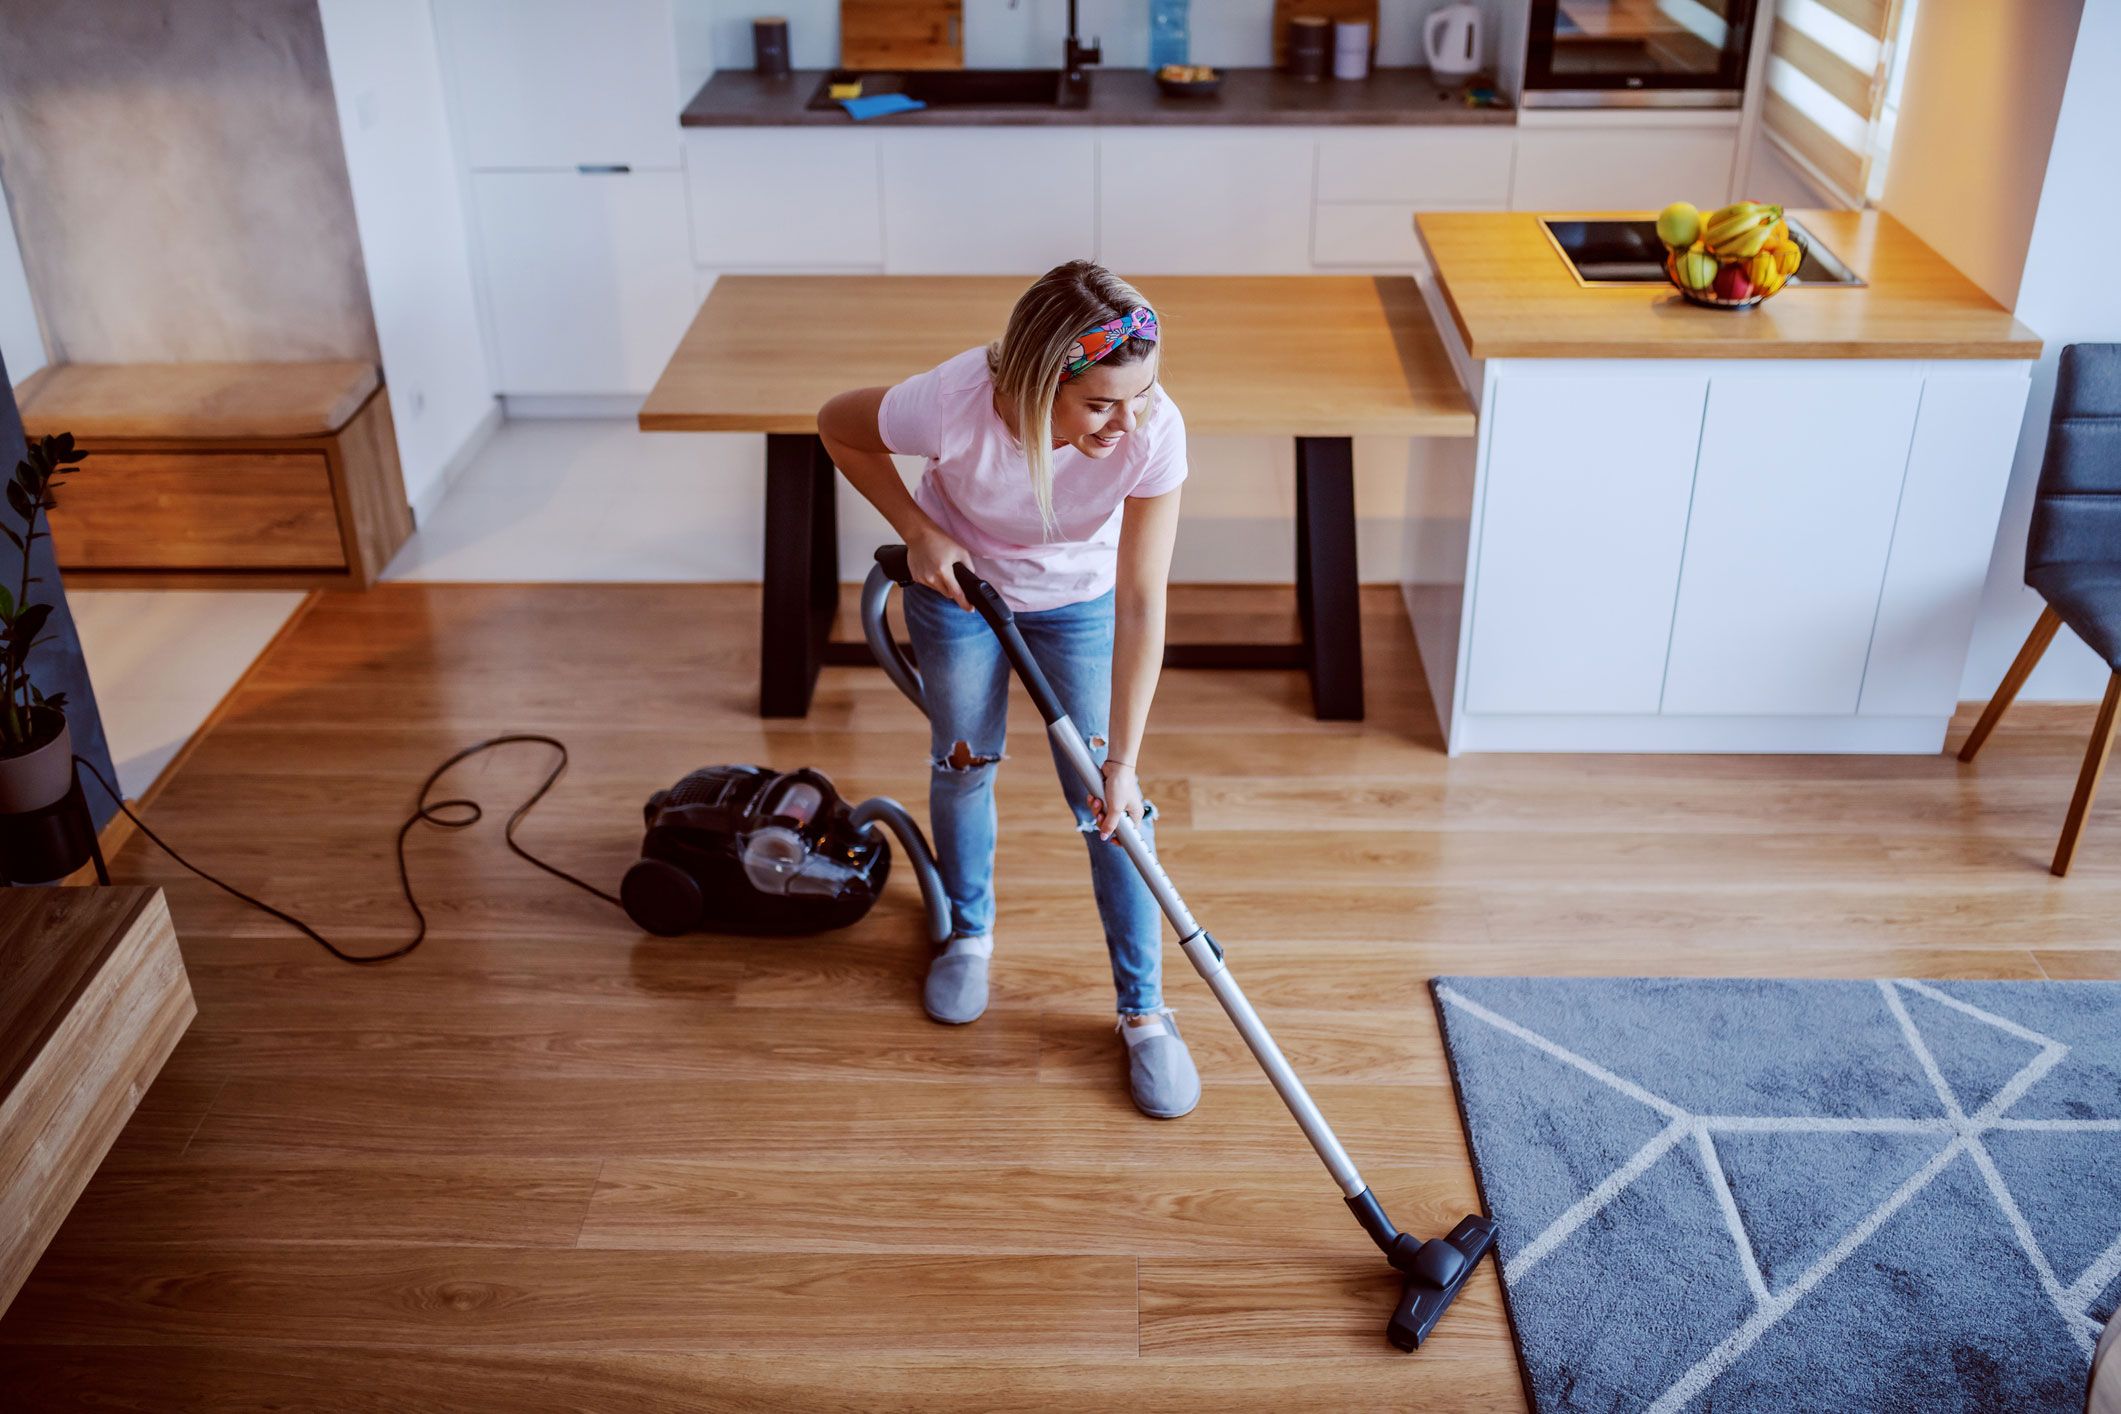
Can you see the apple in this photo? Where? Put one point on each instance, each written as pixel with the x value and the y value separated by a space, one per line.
pixel 1731 283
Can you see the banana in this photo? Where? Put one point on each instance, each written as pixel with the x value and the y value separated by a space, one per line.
pixel 1763 271
pixel 1733 223
pixel 1745 245
pixel 1789 256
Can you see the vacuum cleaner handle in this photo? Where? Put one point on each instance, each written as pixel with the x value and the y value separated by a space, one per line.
pixel 987 601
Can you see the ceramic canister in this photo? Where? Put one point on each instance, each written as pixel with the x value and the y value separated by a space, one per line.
pixel 1351 49
pixel 1310 47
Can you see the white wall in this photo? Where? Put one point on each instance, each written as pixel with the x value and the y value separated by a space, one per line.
pixel 178 183
pixel 2079 194
pixel 1013 34
pixel 20 338
pixel 407 202
pixel 1977 114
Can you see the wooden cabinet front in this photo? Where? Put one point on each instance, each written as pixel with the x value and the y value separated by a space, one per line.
pixel 198 510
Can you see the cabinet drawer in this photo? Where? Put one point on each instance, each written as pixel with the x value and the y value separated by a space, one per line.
pixel 1204 201
pixel 784 198
pixel 207 510
pixel 1034 216
pixel 1621 169
pixel 1435 168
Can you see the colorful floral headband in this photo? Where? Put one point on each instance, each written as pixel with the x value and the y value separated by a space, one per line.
pixel 1094 344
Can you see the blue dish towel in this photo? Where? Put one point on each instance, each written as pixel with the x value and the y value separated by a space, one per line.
pixel 880 105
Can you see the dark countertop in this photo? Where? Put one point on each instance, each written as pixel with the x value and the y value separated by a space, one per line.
pixel 1120 98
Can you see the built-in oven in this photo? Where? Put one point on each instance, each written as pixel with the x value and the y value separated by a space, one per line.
pixel 1637 53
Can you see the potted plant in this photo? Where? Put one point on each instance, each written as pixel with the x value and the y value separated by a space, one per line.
pixel 36 748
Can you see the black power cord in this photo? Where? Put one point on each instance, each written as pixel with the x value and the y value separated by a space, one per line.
pixel 466 813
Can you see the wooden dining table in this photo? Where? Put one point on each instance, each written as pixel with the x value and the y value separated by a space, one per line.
pixel 1319 358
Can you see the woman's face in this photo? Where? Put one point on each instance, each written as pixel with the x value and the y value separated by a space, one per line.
pixel 1096 410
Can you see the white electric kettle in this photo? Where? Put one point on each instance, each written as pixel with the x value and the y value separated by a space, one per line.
pixel 1451 39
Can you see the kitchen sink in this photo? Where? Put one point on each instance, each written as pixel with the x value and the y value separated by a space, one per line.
pixel 962 88
pixel 1629 253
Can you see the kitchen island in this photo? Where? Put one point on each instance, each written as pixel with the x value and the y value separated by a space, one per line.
pixel 1707 530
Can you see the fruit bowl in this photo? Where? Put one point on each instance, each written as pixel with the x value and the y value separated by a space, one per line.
pixel 1189 80
pixel 1732 258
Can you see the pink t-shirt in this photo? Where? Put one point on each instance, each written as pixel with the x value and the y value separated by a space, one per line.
pixel 977 486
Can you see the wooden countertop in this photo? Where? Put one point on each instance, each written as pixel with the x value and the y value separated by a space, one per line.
pixel 1295 356
pixel 1513 296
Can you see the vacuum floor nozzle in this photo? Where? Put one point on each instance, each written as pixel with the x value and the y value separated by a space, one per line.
pixel 1437 1274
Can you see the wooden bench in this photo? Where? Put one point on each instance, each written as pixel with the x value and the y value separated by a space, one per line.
pixel 254 474
pixel 93 998
pixel 1321 358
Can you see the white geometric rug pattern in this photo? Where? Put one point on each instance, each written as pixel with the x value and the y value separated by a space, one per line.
pixel 1961 1132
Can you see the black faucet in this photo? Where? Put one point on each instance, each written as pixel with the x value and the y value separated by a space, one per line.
pixel 1078 53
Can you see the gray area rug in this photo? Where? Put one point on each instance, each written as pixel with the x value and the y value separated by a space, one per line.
pixel 1797 1195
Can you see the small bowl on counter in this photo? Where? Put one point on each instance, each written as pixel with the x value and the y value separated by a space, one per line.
pixel 1189 80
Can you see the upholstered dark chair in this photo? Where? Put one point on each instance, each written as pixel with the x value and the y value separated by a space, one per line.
pixel 2073 555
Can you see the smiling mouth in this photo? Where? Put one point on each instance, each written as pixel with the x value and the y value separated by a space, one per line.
pixel 1106 441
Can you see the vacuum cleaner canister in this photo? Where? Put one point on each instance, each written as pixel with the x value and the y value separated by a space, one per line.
pixel 745 849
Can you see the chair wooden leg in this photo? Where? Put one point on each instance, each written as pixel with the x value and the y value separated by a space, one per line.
pixel 2021 668
pixel 2095 753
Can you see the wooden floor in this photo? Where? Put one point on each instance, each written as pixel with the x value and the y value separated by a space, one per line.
pixel 547 1162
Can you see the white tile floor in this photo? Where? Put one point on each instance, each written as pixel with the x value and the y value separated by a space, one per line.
pixel 162 659
pixel 597 500
pixel 543 500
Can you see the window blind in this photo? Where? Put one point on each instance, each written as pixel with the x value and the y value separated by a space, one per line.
pixel 1828 66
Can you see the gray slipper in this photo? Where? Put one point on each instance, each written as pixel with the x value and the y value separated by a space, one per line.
pixel 956 990
pixel 1160 1072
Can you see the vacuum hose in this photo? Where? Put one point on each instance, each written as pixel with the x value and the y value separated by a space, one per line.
pixel 882 810
pixel 876 595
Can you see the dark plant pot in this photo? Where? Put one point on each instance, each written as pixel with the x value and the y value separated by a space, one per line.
pixel 42 775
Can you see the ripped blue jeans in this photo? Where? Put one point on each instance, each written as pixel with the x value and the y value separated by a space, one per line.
pixel 965 679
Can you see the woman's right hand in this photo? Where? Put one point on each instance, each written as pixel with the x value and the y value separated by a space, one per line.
pixel 931 556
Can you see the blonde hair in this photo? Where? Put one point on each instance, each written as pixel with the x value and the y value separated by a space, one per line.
pixel 1026 361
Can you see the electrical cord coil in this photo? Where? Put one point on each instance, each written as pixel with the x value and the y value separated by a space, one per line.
pixel 453 814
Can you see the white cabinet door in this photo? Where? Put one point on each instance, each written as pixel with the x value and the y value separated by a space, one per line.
pixel 1621 169
pixel 1794 501
pixel 588 282
pixel 1206 201
pixel 1581 524
pixel 784 198
pixel 1434 167
pixel 1006 201
pixel 1966 435
pixel 560 83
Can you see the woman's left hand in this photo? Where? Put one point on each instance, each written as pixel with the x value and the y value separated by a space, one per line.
pixel 1123 796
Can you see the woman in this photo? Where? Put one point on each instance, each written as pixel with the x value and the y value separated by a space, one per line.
pixel 1054 462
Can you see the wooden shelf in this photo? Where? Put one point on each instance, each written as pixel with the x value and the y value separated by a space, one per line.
pixel 93 998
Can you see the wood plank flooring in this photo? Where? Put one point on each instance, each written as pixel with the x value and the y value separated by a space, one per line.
pixel 549 1163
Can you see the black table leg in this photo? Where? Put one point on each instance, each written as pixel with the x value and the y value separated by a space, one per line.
pixel 801 573
pixel 1328 604
pixel 802 582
